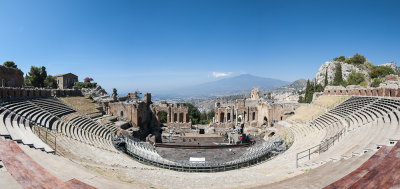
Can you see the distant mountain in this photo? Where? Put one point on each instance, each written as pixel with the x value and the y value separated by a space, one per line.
pixel 227 86
pixel 298 84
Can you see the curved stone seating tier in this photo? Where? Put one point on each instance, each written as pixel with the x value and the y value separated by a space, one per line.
pixel 18 129
pixel 27 172
pixel 51 113
pixel 373 122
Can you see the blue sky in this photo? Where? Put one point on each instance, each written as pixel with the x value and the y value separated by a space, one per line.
pixel 153 45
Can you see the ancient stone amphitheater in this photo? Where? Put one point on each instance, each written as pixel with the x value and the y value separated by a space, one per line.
pixel 352 143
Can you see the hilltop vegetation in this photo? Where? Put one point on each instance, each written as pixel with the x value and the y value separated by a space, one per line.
pixel 342 71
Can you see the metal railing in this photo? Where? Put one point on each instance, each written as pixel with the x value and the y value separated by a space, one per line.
pixel 145 153
pixel 46 136
pixel 322 147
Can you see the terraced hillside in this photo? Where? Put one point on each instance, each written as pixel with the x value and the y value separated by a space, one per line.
pixel 308 112
pixel 83 105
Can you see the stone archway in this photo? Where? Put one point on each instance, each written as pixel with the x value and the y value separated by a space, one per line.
pixel 162 116
pixel 181 117
pixel 222 117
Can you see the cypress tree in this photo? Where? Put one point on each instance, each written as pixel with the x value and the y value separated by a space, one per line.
pixel 309 92
pixel 338 79
pixel 326 78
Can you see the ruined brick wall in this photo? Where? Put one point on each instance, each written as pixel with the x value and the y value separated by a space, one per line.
pixel 10 77
pixel 146 113
pixel 381 92
pixel 177 114
pixel 251 113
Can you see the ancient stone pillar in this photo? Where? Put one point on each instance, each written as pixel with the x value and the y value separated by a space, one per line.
pixel 169 115
pixel 219 115
pixel 226 115
pixel 231 115
pixel 236 122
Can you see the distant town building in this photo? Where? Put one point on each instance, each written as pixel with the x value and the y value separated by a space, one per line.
pixel 11 77
pixel 66 81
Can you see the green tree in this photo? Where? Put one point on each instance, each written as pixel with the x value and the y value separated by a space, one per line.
pixel 194 113
pixel 318 88
pixel 163 117
pixel 376 81
pixel 115 92
pixel 355 78
pixel 51 82
pixel 10 64
pixel 301 100
pixel 338 79
pixel 356 59
pixel 36 77
pixel 309 92
pixel 380 71
pixel 340 59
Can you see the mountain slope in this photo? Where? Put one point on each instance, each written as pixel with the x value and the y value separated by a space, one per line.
pixel 227 86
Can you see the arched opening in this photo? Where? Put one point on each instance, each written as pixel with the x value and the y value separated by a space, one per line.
pixel 222 117
pixel 121 113
pixel 228 116
pixel 181 117
pixel 271 134
pixel 162 116
pixel 139 123
pixel 254 116
pixel 281 118
pixel 175 117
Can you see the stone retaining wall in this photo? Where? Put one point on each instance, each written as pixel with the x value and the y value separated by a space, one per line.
pixel 382 92
pixel 11 93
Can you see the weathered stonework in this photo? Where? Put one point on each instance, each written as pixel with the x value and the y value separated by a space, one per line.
pixel 330 67
pixel 253 112
pixel 11 77
pixel 146 114
pixel 66 81
pixel 12 93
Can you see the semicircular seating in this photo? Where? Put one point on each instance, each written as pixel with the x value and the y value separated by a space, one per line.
pixel 55 116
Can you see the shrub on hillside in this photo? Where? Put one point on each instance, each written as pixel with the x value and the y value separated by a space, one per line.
pixel 380 71
pixel 357 59
pixel 376 81
pixel 81 85
pixel 340 58
pixel 364 84
pixel 355 78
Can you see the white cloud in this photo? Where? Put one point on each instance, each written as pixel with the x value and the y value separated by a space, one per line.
pixel 221 74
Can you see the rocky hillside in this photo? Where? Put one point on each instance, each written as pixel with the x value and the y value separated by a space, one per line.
pixel 330 68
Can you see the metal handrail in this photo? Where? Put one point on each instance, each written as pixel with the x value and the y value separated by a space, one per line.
pixel 322 147
pixel 134 148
